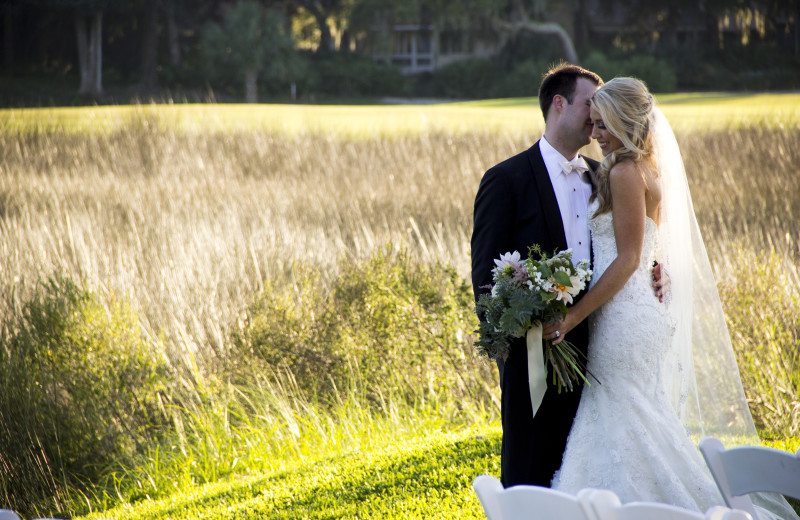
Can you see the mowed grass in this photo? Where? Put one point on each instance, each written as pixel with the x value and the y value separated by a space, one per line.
pixel 418 477
pixel 689 112
pixel 189 212
pixel 422 477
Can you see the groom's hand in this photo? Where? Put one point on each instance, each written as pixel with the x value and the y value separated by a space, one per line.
pixel 661 282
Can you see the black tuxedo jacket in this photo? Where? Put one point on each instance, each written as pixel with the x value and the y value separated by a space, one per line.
pixel 515 208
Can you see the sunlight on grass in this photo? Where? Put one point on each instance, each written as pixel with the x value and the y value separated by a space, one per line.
pixel 343 121
pixel 189 213
pixel 688 112
pixel 408 477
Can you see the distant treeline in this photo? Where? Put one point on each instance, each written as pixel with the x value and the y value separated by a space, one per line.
pixel 79 51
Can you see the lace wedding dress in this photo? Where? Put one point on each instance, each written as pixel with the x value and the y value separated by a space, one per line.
pixel 663 370
pixel 626 436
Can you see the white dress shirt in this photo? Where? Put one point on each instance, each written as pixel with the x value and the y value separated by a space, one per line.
pixel 572 193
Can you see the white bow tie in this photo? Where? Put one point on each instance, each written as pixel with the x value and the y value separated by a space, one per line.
pixel 577 165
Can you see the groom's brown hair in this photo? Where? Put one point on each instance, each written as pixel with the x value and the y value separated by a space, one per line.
pixel 561 80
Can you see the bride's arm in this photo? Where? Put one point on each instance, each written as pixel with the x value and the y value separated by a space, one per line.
pixel 629 211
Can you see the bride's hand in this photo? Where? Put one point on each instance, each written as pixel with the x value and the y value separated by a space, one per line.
pixel 555 331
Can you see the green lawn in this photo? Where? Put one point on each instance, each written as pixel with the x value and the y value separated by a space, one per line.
pixel 696 111
pixel 427 477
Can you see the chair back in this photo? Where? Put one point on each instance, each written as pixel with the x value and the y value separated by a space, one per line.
pixel 750 469
pixel 527 502
pixel 606 506
pixel 488 489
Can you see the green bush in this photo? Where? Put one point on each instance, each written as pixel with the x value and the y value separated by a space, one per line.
pixel 345 74
pixel 758 66
pixel 389 326
pixel 80 388
pixel 468 79
pixel 658 75
pixel 700 70
pixel 523 81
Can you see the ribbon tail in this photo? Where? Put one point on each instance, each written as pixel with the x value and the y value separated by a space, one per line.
pixel 537 374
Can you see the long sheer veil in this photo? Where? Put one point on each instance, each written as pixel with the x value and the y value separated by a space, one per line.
pixel 701 371
pixel 705 382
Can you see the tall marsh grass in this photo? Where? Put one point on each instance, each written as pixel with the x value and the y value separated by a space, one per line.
pixel 232 244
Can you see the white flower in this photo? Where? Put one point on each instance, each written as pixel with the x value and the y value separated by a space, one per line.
pixel 562 292
pixel 509 262
pixel 577 285
pixel 508 259
pixel 565 292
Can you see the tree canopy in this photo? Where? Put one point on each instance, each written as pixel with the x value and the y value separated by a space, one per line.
pixel 152 44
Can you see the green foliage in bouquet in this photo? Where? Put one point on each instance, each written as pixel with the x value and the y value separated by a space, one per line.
pixel 525 293
pixel 505 318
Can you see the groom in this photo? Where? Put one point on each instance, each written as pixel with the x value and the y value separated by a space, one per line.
pixel 538 197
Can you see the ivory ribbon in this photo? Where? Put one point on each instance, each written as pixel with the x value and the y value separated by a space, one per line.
pixel 537 375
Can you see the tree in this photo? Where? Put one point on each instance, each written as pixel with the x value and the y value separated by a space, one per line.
pixel 322 10
pixel 87 17
pixel 521 20
pixel 8 12
pixel 250 41
pixel 327 16
pixel 90 51
pixel 506 17
pixel 149 46
pixel 88 20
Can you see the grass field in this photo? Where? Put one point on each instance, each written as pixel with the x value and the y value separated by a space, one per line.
pixel 421 477
pixel 689 112
pixel 218 222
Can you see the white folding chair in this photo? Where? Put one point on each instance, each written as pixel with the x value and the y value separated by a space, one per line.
pixel 750 469
pixel 7 514
pixel 606 506
pixel 518 502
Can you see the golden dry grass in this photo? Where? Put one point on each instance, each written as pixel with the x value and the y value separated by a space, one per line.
pixel 188 220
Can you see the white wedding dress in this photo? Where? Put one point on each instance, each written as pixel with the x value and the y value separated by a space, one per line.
pixel 626 436
pixel 664 370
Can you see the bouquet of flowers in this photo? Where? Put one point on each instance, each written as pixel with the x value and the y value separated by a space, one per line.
pixel 528 291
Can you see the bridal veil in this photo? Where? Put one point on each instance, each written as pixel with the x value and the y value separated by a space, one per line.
pixel 705 385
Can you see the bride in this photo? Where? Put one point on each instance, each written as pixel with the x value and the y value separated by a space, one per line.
pixel 665 370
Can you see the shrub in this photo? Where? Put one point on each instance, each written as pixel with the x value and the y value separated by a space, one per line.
pixel 523 81
pixel 80 387
pixel 759 65
pixel 470 79
pixel 657 74
pixel 389 326
pixel 700 69
pixel 344 74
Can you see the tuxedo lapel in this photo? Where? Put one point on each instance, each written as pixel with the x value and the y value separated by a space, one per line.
pixel 550 210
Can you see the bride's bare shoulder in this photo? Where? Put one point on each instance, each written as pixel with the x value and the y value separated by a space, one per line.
pixel 626 172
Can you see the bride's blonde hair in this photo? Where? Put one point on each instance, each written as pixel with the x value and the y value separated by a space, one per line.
pixel 626 108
